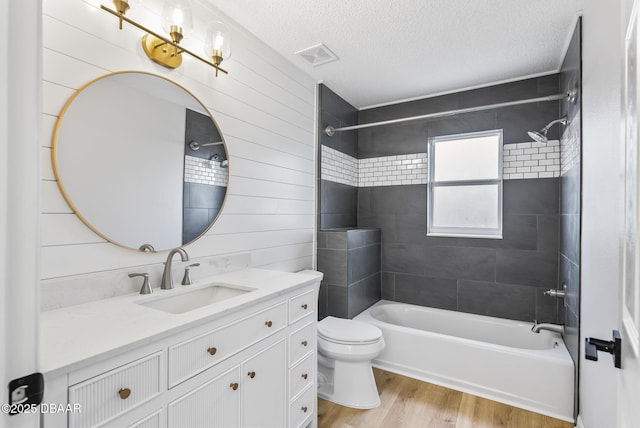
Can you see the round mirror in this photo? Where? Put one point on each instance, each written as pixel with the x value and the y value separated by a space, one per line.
pixel 140 161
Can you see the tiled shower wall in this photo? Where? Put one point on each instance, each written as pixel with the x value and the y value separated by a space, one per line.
pixel 504 278
pixel 338 198
pixel 570 201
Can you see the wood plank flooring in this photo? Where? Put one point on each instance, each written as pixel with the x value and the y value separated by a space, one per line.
pixel 410 403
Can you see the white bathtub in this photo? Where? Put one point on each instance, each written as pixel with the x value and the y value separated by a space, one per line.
pixel 499 359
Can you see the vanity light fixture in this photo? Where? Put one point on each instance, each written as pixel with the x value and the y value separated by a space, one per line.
pixel 177 21
pixel 217 45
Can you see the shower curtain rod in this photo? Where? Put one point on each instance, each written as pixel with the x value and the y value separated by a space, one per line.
pixel 330 130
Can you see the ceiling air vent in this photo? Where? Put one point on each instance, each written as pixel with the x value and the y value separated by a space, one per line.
pixel 317 55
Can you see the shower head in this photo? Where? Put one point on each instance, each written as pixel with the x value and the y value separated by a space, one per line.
pixel 224 163
pixel 541 136
pixel 537 136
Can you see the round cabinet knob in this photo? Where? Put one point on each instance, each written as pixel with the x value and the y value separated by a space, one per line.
pixel 234 386
pixel 212 351
pixel 268 323
pixel 305 306
pixel 304 409
pixel 304 376
pixel 304 343
pixel 251 374
pixel 124 393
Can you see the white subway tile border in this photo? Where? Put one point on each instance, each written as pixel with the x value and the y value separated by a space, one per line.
pixel 531 160
pixel 203 171
pixel 520 161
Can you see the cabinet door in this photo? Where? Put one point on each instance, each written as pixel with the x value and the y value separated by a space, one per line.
pixel 214 404
pixel 264 399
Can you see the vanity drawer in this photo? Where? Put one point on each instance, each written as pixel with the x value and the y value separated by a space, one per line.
pixel 110 394
pixel 302 375
pixel 302 408
pixel 302 342
pixel 302 305
pixel 152 421
pixel 196 355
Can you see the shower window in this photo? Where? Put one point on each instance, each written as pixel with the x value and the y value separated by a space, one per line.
pixel 465 185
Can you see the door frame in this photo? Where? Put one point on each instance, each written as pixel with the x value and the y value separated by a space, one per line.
pixel 20 153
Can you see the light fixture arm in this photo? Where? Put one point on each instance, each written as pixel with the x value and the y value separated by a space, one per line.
pixel 122 17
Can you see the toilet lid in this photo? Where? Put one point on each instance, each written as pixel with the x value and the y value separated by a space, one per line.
pixel 345 330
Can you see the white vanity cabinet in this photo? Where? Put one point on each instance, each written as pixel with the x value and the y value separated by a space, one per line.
pixel 245 396
pixel 253 368
pixel 215 403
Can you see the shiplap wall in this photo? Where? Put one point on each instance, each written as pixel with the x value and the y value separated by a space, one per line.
pixel 264 108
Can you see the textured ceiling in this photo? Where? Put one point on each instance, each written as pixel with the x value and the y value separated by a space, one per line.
pixel 391 50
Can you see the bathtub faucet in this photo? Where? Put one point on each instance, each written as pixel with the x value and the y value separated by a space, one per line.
pixel 556 328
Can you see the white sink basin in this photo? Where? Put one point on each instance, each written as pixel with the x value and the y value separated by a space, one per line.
pixel 198 297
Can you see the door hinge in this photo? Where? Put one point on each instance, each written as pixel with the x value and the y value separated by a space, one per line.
pixel 25 392
pixel 613 347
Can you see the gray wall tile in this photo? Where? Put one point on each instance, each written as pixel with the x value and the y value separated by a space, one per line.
pixel 336 112
pixel 337 303
pixel 470 122
pixel 412 228
pixel 570 205
pixel 534 268
pixel 363 262
pixel 385 222
pixel 337 221
pixel 338 205
pixel 333 263
pixel 570 236
pixel 356 238
pixel 398 199
pixel 374 142
pixel 427 291
pixel 570 275
pixel 547 308
pixel 388 285
pixel 531 196
pixel 372 236
pixel 570 191
pixel 403 258
pixel 335 240
pixel 497 300
pixel 548 231
pixel 516 121
pixel 572 335
pixel 519 231
pixel 460 263
pixel 323 301
pixel 511 91
pixel 363 294
pixel 321 239
pixel 339 198
pixel 194 223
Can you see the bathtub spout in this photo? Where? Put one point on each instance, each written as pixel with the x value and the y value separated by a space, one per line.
pixel 556 328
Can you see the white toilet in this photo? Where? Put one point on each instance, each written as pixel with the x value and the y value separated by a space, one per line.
pixel 345 350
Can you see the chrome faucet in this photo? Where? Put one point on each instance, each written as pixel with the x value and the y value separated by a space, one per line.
pixel 556 328
pixel 167 275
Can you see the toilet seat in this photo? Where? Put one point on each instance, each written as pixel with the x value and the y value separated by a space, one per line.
pixel 348 332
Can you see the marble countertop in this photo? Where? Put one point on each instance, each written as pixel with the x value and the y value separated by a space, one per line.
pixel 77 334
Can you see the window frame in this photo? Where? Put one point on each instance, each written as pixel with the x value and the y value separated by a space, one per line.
pixel 464 232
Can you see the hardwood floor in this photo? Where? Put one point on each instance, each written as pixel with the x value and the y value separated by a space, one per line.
pixel 410 403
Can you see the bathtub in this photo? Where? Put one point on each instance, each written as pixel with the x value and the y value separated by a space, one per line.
pixel 498 359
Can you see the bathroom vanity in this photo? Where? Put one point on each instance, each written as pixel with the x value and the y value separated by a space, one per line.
pixel 186 358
